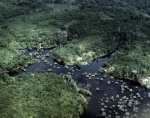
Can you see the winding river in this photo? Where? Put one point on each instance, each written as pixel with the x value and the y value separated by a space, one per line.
pixel 111 97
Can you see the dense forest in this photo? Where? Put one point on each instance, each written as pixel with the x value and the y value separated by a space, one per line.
pixel 40 94
pixel 76 32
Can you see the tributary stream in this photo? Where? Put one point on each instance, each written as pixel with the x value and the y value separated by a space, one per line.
pixel 111 97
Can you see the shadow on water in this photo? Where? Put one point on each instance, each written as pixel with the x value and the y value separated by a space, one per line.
pixel 108 93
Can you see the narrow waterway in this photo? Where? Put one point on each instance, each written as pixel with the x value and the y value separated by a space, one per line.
pixel 111 98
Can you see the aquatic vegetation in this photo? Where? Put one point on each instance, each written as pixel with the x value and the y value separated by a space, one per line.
pixel 40 94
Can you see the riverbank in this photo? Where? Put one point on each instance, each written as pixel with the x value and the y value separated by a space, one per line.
pixel 131 63
pixel 82 51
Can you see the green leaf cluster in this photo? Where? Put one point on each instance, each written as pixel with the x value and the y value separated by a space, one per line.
pixel 40 94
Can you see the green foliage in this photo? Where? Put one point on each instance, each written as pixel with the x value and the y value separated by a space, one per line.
pixel 121 25
pixel 30 35
pixel 81 51
pixel 93 29
pixel 11 58
pixel 40 94
pixel 84 92
pixel 6 102
pixel 131 63
pixel 106 65
pixel 61 37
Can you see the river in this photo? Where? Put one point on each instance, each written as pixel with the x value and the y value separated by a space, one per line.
pixel 130 96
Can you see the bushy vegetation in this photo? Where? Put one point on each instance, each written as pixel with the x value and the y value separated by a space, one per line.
pixel 82 51
pixel 8 10
pixel 10 56
pixel 130 62
pixel 92 29
pixel 39 95
pixel 124 24
pixel 34 30
pixel 100 30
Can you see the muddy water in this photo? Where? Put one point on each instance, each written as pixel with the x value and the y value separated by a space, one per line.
pixel 103 87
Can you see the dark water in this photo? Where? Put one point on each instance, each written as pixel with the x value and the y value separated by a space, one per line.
pixel 101 90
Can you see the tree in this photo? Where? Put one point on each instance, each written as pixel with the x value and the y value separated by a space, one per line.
pixel 61 37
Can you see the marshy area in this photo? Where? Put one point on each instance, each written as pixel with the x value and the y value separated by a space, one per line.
pixel 74 58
